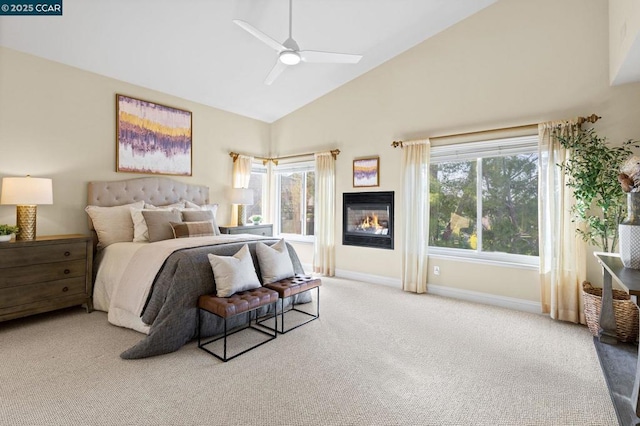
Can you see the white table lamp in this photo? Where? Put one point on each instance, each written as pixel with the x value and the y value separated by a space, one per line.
pixel 241 197
pixel 26 193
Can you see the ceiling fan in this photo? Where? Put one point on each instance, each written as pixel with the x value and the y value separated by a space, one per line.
pixel 289 52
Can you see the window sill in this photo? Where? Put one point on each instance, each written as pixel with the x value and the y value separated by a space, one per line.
pixel 494 259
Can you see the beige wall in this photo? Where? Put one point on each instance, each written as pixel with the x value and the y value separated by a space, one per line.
pixel 59 122
pixel 516 62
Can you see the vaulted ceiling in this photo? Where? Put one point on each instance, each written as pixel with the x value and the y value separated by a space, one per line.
pixel 193 50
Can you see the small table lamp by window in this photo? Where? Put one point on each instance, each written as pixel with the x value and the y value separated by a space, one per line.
pixel 241 197
pixel 26 193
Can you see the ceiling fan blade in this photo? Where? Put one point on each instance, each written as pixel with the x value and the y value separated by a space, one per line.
pixel 259 35
pixel 313 56
pixel 275 72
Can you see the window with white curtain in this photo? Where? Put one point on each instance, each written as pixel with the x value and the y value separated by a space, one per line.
pixel 484 200
pixel 294 197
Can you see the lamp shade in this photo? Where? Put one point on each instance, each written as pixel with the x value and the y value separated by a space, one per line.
pixel 26 191
pixel 242 196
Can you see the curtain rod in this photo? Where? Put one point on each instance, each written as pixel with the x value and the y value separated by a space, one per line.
pixel 581 120
pixel 274 160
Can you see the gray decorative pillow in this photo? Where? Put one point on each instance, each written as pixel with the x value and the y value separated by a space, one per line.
pixel 158 223
pixel 192 207
pixel 201 215
pixel 275 263
pixel 140 229
pixel 196 215
pixel 234 273
pixel 192 229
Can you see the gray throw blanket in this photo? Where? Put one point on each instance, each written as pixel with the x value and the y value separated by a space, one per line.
pixel 172 310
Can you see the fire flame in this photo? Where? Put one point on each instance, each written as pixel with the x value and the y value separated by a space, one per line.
pixel 371 222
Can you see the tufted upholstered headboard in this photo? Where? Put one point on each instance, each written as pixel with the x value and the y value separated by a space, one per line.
pixel 154 190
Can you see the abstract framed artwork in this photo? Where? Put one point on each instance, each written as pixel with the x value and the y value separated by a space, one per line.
pixel 152 138
pixel 366 172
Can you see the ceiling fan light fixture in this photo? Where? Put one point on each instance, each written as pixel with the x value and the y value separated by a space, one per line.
pixel 289 52
pixel 289 57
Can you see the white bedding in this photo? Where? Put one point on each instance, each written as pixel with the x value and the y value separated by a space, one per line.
pixel 126 272
pixel 111 261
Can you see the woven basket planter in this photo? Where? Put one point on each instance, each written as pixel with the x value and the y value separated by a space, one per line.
pixel 624 310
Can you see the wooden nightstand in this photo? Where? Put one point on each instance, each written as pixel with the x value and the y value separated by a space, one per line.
pixel 265 230
pixel 45 274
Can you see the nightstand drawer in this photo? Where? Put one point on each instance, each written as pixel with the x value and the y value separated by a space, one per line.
pixel 254 231
pixel 10 277
pixel 264 230
pixel 22 256
pixel 22 295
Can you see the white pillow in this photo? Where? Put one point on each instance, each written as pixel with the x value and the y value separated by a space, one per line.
pixel 234 273
pixel 212 207
pixel 140 228
pixel 178 205
pixel 113 224
pixel 275 263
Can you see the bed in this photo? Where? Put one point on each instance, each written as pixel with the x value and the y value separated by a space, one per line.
pixel 151 284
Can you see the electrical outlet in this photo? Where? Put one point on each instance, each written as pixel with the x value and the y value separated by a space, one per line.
pixel 436 270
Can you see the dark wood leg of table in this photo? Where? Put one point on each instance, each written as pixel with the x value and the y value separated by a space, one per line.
pixel 607 333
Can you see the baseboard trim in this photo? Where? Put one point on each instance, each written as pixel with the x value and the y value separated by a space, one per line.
pixel 486 298
pixel 369 278
pixel 454 293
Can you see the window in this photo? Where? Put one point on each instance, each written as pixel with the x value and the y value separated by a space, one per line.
pixel 484 200
pixel 295 184
pixel 258 183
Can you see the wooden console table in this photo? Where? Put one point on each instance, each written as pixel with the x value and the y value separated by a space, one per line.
pixel 620 362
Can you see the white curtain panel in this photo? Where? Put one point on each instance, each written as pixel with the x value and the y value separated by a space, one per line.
pixel 325 215
pixel 242 171
pixel 562 251
pixel 415 211
pixel 241 175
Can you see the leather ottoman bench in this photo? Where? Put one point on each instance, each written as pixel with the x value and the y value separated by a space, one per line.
pixel 236 304
pixel 290 287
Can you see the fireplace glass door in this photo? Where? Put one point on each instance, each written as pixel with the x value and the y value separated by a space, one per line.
pixel 368 219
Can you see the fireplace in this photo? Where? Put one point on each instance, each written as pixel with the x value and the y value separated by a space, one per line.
pixel 367 219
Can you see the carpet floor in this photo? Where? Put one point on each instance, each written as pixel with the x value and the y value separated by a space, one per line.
pixel 376 356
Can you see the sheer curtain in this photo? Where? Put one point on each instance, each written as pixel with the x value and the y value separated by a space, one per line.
pixel 415 208
pixel 242 171
pixel 325 215
pixel 562 251
pixel 241 176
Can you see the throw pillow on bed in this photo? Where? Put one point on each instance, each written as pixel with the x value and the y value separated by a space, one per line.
pixel 158 222
pixel 199 216
pixel 275 263
pixel 212 207
pixel 234 273
pixel 193 212
pixel 192 229
pixel 140 229
pixel 112 224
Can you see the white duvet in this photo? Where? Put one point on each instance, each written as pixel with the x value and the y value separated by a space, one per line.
pixel 126 271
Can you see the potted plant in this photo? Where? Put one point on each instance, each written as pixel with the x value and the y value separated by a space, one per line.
pixel 256 219
pixel 629 228
pixel 593 169
pixel 7 231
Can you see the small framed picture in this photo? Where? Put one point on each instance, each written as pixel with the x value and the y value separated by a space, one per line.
pixel 366 172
